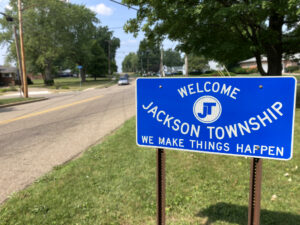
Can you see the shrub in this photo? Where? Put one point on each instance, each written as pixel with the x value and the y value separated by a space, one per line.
pixel 252 70
pixel 49 82
pixel 291 69
pixel 240 70
pixel 297 71
pixel 194 73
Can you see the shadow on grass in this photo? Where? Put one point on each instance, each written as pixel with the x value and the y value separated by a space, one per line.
pixel 239 215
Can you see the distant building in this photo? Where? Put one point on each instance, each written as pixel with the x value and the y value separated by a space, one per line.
pixel 65 1
pixel 251 63
pixel 8 75
pixel 173 69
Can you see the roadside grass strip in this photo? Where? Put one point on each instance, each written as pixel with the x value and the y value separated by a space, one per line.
pixel 115 183
pixel 72 83
pixel 15 100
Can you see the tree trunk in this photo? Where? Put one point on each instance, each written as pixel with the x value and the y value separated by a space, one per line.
pixel 259 64
pixel 274 63
pixel 274 48
pixel 48 80
pixel 82 75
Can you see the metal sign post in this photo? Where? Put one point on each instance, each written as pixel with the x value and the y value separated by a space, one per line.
pixel 161 186
pixel 255 190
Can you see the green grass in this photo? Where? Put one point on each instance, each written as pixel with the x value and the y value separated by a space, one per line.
pixel 11 88
pixel 114 183
pixel 15 100
pixel 73 83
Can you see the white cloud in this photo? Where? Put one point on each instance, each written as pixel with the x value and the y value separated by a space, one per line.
pixel 8 7
pixel 102 9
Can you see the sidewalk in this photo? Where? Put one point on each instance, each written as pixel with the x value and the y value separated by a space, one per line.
pixel 32 92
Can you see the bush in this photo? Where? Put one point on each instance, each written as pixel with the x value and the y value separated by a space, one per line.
pixel 29 81
pixel 240 70
pixel 194 73
pixel 297 71
pixel 49 82
pixel 291 69
pixel 252 70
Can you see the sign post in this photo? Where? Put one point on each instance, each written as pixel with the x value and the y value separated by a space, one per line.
pixel 80 73
pixel 255 191
pixel 161 186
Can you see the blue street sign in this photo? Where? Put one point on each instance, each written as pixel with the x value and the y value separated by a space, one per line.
pixel 79 67
pixel 251 117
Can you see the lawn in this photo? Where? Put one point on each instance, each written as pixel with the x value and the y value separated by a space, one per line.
pixel 74 83
pixel 15 100
pixel 114 183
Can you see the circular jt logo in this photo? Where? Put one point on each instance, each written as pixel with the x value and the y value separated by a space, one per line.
pixel 207 109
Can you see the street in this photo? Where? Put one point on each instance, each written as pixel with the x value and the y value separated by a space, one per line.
pixel 38 136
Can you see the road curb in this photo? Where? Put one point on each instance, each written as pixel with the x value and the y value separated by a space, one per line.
pixel 21 103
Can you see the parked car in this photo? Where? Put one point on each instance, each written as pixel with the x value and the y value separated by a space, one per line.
pixel 123 81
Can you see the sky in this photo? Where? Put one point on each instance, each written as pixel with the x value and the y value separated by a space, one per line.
pixel 112 15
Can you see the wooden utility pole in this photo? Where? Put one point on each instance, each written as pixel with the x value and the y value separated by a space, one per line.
pixel 109 69
pixel 25 87
pixel 186 64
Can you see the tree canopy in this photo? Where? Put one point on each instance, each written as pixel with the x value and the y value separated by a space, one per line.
pixel 226 31
pixel 59 35
pixel 172 58
pixel 197 63
pixel 130 63
pixel 148 56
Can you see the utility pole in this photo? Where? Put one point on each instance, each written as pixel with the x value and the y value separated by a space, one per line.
pixel 109 69
pixel 25 87
pixel 186 65
pixel 161 68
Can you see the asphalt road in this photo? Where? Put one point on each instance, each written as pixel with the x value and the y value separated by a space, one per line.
pixel 36 137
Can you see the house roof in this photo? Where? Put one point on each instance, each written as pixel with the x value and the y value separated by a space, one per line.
pixel 264 59
pixel 253 60
pixel 8 69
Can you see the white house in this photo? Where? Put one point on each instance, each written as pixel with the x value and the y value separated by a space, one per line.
pixel 286 62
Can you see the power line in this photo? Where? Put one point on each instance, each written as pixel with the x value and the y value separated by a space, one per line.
pixel 124 5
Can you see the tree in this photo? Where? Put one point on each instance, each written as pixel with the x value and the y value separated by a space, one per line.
pixel 172 58
pixel 81 31
pixel 59 35
pixel 148 56
pixel 109 43
pixel 130 63
pixel 227 31
pixel 97 66
pixel 197 63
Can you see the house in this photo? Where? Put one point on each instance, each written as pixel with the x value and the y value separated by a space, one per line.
pixel 286 62
pixel 173 69
pixel 8 75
